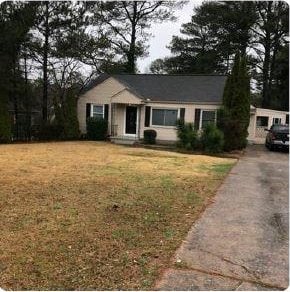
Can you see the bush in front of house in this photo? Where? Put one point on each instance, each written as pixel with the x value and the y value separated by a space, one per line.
pixel 212 139
pixel 150 136
pixel 97 129
pixel 187 136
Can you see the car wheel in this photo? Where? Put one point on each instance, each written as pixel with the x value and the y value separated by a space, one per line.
pixel 272 147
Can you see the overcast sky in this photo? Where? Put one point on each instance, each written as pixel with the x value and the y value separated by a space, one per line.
pixel 162 35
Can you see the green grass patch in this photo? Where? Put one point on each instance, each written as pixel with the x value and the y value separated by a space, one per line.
pixel 222 168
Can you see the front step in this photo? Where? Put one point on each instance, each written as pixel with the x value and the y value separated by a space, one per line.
pixel 124 140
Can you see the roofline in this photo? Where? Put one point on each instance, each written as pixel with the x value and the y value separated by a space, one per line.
pixel 273 110
pixel 128 87
pixel 129 90
pixel 146 99
pixel 185 102
pixel 106 77
pixel 149 74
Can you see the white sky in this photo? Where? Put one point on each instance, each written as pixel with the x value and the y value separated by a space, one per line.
pixel 162 35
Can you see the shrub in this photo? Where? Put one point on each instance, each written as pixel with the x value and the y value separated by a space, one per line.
pixel 5 124
pixel 231 128
pixel 150 136
pixel 97 129
pixel 187 136
pixel 212 139
pixel 49 132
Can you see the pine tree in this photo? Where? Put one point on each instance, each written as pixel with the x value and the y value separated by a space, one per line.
pixel 209 41
pixel 15 22
pixel 235 114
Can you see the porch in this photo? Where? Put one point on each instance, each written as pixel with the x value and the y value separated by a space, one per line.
pixel 124 140
pixel 125 121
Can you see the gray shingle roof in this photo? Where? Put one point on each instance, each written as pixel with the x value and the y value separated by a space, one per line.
pixel 174 88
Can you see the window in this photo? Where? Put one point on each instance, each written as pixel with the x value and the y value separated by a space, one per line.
pixel 164 117
pixel 207 117
pixel 276 121
pixel 97 111
pixel 262 121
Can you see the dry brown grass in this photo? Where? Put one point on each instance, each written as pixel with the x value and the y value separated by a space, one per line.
pixel 86 215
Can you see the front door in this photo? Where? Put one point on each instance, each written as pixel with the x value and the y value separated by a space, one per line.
pixel 131 120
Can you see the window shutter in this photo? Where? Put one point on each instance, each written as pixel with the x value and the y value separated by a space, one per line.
pixel 182 114
pixel 106 113
pixel 196 118
pixel 88 110
pixel 147 116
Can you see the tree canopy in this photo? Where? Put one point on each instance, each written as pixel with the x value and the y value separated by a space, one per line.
pixel 49 50
pixel 218 29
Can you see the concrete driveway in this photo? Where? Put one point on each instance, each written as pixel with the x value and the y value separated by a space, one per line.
pixel 241 240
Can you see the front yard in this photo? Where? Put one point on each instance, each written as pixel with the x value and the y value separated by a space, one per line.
pixel 87 215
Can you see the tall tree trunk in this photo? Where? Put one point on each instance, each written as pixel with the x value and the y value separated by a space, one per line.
pixel 266 69
pixel 275 45
pixel 27 101
pixel 266 95
pixel 14 96
pixel 45 57
pixel 131 55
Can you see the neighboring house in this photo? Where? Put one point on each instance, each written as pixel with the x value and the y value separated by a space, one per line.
pixel 133 103
pixel 27 121
pixel 261 119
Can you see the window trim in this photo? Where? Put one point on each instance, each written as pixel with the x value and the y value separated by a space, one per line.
pixel 207 110
pixel 279 121
pixel 92 109
pixel 163 108
pixel 262 117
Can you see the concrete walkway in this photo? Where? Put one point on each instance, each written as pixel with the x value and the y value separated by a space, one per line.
pixel 241 240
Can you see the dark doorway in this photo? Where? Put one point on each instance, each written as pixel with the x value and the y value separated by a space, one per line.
pixel 131 120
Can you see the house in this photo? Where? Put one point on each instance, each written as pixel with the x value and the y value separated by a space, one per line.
pixel 24 121
pixel 133 103
pixel 261 119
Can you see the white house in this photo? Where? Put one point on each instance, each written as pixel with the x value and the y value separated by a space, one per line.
pixel 133 103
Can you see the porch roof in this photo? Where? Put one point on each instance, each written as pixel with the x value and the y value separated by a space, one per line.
pixel 126 97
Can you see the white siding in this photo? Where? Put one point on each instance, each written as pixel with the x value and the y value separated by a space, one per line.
pixel 101 94
pixel 165 133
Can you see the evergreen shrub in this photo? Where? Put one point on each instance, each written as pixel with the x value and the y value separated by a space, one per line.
pixel 212 139
pixel 150 136
pixel 187 136
pixel 97 129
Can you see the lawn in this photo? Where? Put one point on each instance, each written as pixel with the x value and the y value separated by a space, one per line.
pixel 87 215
